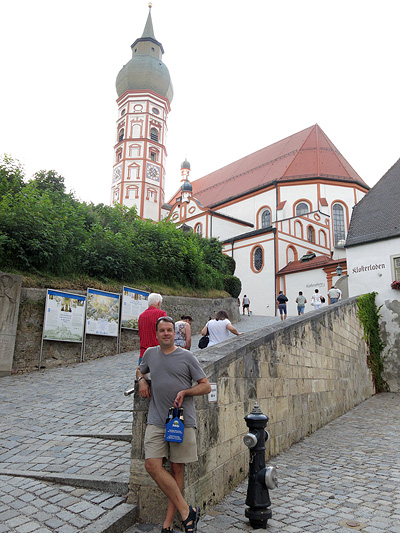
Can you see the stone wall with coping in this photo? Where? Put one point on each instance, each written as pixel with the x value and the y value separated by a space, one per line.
pixel 55 353
pixel 303 372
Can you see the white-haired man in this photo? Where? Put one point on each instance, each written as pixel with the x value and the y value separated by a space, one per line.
pixel 147 323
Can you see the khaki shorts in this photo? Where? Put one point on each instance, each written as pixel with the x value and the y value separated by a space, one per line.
pixel 183 452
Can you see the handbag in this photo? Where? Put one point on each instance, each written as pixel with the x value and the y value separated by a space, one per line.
pixel 322 299
pixel 203 342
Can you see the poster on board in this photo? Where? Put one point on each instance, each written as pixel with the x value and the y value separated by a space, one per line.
pixel 102 313
pixel 64 318
pixel 134 302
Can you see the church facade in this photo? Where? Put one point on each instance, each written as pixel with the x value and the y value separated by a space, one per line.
pixel 282 213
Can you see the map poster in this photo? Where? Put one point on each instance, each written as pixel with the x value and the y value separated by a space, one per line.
pixel 102 313
pixel 64 318
pixel 134 302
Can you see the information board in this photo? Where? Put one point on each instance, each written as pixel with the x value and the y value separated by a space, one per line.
pixel 64 318
pixel 134 302
pixel 102 313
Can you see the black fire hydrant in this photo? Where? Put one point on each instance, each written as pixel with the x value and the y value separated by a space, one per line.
pixel 261 478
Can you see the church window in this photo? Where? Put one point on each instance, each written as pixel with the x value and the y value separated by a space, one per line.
pixel 121 135
pixel 338 225
pixel 302 209
pixel 153 156
pixel 258 258
pixel 123 112
pixel 154 134
pixel 198 229
pixel 266 219
pixel 310 234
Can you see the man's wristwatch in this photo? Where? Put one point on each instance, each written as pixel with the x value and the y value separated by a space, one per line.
pixel 141 377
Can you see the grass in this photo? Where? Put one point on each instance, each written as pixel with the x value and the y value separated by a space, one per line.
pixel 47 281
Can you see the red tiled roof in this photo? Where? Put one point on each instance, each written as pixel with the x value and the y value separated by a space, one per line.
pixel 298 266
pixel 304 155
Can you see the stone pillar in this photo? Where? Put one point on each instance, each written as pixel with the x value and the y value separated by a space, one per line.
pixel 10 293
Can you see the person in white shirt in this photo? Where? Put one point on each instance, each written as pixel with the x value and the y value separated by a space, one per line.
pixel 316 300
pixel 218 328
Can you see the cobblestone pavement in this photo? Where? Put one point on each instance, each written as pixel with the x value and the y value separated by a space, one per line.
pixel 344 477
pixel 69 423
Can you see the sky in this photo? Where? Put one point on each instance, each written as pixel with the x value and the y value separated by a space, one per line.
pixel 245 75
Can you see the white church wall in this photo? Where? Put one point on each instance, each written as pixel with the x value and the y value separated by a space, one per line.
pixel 260 286
pixel 222 229
pixel 370 269
pixel 248 208
pixel 306 281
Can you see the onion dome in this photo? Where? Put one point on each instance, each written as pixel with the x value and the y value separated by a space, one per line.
pixel 146 71
pixel 185 164
pixel 186 186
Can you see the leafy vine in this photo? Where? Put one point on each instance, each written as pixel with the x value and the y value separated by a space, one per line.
pixel 369 315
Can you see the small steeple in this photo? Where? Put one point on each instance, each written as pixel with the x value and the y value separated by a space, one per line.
pixel 148 29
pixel 186 187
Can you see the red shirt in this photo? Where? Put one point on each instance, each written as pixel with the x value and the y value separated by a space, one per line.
pixel 147 328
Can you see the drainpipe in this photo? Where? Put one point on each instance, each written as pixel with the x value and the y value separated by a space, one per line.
pixel 275 243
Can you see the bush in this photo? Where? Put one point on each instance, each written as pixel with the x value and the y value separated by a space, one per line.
pixel 233 285
pixel 230 264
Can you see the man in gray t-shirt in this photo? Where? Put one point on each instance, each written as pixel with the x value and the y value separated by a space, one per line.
pixel 173 371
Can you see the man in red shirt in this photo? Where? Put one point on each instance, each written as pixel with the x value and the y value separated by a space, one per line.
pixel 147 323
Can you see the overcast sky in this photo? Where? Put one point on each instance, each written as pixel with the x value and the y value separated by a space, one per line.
pixel 245 75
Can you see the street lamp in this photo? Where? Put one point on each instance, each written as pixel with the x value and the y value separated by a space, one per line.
pixel 339 270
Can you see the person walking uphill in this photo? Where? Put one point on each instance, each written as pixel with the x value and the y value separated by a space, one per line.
pixel 246 304
pixel 147 323
pixel 333 294
pixel 282 299
pixel 173 371
pixel 218 328
pixel 301 303
pixel 183 332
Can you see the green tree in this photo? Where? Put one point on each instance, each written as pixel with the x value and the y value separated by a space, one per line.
pixel 11 176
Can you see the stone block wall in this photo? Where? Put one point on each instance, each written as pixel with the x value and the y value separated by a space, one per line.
pixel 55 353
pixel 303 372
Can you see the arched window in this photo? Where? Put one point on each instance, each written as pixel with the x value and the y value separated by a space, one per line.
pixel 154 134
pixel 310 234
pixel 121 135
pixel 266 219
pixel 302 209
pixel 198 229
pixel 258 258
pixel 338 225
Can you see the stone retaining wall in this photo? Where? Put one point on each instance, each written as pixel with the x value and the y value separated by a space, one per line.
pixel 303 372
pixel 55 353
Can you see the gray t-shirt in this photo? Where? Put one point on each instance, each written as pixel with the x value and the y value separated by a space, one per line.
pixel 170 373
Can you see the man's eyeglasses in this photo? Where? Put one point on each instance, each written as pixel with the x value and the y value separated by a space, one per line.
pixel 165 319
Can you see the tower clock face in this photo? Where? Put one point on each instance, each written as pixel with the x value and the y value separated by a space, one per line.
pixel 153 172
pixel 117 173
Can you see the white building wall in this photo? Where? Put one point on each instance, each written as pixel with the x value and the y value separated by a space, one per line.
pixel 370 269
pixel 260 286
pixel 306 281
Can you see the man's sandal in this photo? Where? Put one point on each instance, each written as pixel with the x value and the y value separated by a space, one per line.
pixel 190 523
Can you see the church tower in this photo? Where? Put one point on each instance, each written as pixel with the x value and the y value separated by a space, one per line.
pixel 145 94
